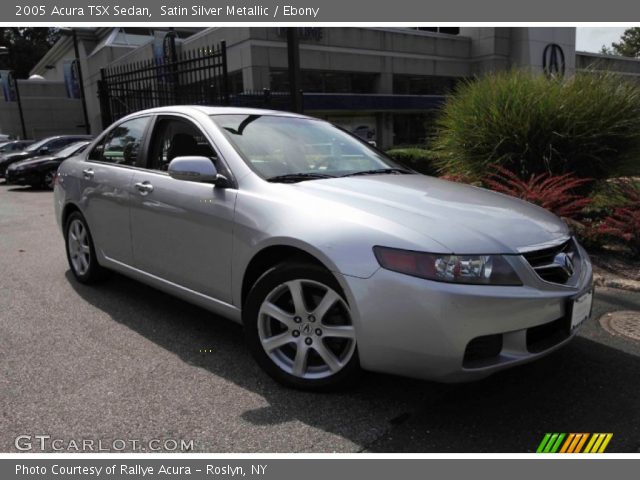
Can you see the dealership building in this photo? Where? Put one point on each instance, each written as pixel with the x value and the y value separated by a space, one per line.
pixel 382 83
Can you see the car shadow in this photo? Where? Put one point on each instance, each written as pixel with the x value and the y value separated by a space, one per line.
pixel 584 387
pixel 24 188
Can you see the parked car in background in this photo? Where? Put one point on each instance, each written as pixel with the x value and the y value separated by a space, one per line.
pixel 41 171
pixel 14 146
pixel 46 146
pixel 332 259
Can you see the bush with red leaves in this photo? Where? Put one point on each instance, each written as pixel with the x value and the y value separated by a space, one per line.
pixel 553 192
pixel 624 223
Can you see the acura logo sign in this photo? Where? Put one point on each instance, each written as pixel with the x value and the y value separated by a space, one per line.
pixel 565 262
pixel 553 62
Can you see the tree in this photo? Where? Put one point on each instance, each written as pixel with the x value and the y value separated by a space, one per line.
pixel 629 44
pixel 26 45
pixel 606 50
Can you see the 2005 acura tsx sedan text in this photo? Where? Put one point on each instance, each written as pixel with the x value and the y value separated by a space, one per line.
pixel 332 256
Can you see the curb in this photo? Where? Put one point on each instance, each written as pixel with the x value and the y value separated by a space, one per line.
pixel 616 282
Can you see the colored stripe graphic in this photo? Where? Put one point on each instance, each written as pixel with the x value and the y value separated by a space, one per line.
pixel 598 443
pixel 568 442
pixel 543 443
pixel 581 443
pixel 591 443
pixel 607 439
pixel 574 443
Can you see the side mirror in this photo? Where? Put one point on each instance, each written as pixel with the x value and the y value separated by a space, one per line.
pixel 43 150
pixel 196 169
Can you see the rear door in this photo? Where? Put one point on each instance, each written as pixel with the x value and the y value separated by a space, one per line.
pixel 182 230
pixel 107 190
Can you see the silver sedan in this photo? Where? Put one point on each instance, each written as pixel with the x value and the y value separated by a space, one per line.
pixel 333 257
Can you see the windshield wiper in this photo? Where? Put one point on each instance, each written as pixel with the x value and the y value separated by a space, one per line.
pixel 297 177
pixel 396 171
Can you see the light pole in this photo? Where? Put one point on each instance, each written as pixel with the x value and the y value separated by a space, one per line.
pixel 12 82
pixel 72 33
pixel 293 55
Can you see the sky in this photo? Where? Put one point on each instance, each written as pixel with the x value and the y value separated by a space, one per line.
pixel 591 39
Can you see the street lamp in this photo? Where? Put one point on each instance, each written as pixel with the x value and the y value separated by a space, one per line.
pixel 4 51
pixel 293 56
pixel 72 33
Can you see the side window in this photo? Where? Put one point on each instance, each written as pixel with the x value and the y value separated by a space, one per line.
pixel 122 145
pixel 58 144
pixel 177 138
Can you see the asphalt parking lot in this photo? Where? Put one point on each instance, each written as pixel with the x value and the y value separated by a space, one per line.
pixel 124 361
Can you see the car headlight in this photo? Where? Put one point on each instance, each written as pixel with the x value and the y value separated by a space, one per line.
pixel 472 269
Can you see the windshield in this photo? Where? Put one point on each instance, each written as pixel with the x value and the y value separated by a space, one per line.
pixel 277 146
pixel 71 149
pixel 37 145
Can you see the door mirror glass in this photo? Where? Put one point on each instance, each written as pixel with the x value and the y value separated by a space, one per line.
pixel 43 150
pixel 195 169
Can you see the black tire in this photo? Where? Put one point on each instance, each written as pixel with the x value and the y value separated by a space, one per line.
pixel 48 179
pixel 94 272
pixel 273 279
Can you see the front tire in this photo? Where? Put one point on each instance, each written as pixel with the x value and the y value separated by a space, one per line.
pixel 81 252
pixel 298 327
pixel 48 180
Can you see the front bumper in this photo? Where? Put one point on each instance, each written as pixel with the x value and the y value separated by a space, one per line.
pixel 18 177
pixel 450 332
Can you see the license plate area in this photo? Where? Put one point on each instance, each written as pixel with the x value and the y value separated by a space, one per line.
pixel 580 309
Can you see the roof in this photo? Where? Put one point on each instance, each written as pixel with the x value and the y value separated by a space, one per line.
pixel 186 109
pixel 79 136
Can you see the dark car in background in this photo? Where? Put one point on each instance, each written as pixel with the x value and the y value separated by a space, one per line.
pixel 14 146
pixel 41 171
pixel 46 146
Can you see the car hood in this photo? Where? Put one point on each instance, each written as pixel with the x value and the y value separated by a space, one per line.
pixel 33 162
pixel 15 157
pixel 461 218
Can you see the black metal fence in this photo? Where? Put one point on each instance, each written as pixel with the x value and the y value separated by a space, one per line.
pixel 195 77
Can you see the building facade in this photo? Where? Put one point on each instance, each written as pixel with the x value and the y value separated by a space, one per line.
pixel 382 83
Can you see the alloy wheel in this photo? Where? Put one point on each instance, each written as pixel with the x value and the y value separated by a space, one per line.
pixel 79 249
pixel 305 328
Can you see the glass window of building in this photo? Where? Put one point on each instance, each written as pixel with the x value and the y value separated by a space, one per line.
pixel 423 84
pixel 323 81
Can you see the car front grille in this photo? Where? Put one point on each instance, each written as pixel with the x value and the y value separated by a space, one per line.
pixel 556 264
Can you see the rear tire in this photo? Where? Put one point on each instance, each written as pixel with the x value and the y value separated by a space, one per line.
pixel 298 327
pixel 81 253
pixel 49 179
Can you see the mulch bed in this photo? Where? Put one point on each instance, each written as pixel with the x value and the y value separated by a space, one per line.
pixel 617 264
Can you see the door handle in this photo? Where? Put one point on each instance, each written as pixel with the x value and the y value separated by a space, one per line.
pixel 144 187
pixel 88 173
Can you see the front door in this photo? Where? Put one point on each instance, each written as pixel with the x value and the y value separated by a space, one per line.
pixel 181 230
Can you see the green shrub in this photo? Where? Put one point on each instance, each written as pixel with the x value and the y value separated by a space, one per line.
pixel 419 159
pixel 587 125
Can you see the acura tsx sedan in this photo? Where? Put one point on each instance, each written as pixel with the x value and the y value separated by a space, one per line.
pixel 332 256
